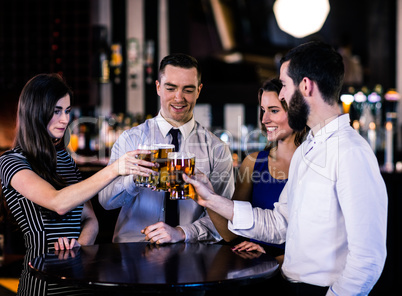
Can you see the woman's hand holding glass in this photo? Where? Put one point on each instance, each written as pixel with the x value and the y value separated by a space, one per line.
pixel 130 164
pixel 149 153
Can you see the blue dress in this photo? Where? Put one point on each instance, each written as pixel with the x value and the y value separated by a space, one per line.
pixel 266 189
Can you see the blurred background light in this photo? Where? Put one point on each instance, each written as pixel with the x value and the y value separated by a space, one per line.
pixel 301 18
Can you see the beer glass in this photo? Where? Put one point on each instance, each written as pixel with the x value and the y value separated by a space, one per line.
pixel 147 181
pixel 162 160
pixel 179 163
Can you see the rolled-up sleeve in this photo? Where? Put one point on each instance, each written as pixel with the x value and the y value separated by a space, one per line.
pixel 243 215
pixel 202 230
pixel 261 224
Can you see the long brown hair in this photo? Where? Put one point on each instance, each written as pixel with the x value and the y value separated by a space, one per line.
pixel 35 110
pixel 275 85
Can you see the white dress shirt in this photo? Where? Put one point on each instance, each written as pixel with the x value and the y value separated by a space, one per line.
pixel 332 213
pixel 141 207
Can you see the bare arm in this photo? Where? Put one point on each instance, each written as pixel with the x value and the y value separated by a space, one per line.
pixel 39 191
pixel 242 192
pixel 90 226
pixel 206 197
pixel 89 231
pixel 263 225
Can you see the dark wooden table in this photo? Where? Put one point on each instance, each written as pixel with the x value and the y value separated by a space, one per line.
pixel 144 267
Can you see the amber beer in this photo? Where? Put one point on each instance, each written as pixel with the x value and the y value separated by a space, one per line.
pixel 147 181
pixel 162 160
pixel 180 163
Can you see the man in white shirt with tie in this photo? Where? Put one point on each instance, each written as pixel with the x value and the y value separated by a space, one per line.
pixel 144 212
pixel 333 211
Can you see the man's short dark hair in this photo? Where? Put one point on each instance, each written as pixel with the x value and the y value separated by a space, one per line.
pixel 180 60
pixel 320 63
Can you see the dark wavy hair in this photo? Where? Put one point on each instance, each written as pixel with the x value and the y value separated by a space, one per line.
pixel 35 110
pixel 275 85
pixel 320 63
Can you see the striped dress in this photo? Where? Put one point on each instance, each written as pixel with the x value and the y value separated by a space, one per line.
pixel 40 227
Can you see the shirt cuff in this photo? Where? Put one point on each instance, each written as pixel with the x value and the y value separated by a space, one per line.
pixel 242 216
pixel 331 292
pixel 129 185
pixel 188 233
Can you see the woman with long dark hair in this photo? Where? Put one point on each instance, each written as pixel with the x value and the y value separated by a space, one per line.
pixel 263 174
pixel 41 183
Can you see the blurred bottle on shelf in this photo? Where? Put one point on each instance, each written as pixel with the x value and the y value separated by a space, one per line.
pixel 92 138
pixel 373 115
pixel 101 54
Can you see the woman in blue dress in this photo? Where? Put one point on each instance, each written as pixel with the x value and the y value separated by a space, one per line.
pixel 263 174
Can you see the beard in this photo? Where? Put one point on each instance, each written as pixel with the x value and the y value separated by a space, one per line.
pixel 298 111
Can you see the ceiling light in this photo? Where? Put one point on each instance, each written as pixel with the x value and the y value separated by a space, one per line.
pixel 301 18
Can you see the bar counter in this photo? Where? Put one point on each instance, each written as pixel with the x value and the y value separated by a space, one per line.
pixel 148 268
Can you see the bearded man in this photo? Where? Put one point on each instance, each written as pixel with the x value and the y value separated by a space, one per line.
pixel 332 212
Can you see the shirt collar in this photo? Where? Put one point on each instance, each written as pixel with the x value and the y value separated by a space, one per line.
pixel 329 129
pixel 165 126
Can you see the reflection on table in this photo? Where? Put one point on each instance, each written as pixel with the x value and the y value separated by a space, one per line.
pixel 147 267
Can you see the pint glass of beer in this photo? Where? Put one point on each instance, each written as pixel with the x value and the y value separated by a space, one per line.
pixel 148 181
pixel 180 163
pixel 162 160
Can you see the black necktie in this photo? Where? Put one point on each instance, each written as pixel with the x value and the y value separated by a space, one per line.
pixel 175 140
pixel 171 206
